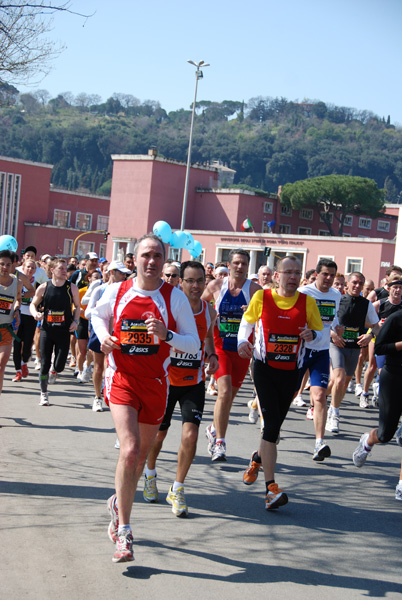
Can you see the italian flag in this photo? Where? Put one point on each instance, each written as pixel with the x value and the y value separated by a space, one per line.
pixel 246 225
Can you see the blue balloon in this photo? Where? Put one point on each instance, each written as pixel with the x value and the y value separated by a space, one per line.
pixel 182 237
pixel 196 250
pixel 163 230
pixel 7 242
pixel 189 244
pixel 175 240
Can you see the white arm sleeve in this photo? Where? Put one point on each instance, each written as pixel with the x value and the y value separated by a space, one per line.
pixel 103 311
pixel 245 330
pixel 186 337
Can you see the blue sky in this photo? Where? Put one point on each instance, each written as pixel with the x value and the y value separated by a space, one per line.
pixel 344 52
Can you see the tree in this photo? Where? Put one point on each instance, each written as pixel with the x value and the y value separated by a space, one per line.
pixel 341 194
pixel 24 51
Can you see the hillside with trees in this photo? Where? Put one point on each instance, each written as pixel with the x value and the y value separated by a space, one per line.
pixel 268 141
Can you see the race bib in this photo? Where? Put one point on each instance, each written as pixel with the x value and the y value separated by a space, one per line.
pixel 327 309
pixel 6 304
pixel 185 360
pixel 55 318
pixel 282 348
pixel 228 327
pixel 351 334
pixel 135 339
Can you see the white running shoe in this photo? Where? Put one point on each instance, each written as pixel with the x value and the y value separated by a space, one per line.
pixel 398 492
pixel 52 376
pixel 351 387
pixel 44 400
pixel 37 364
pixel 211 437
pixel 358 389
pixel 398 435
pixel 310 413
pixel 253 414
pixel 117 444
pixel 97 405
pixel 85 377
pixel 298 401
pixel 178 502
pixel 364 400
pixel 150 492
pixel 332 423
pixel 219 453
pixel 211 390
pixel 361 453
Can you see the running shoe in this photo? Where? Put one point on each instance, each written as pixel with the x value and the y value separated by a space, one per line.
pixel 359 389
pixel 219 452
pixel 361 453
pixel 253 414
pixel 211 390
pixel 114 523
pixel 52 376
pixel 24 370
pixel 150 489
pixel 117 444
pixel 76 373
pixel 298 401
pixel 275 497
pixel 73 362
pixel 251 473
pixel 84 377
pixel 18 376
pixel 398 435
pixel 178 502
pixel 332 423
pixel 37 364
pixel 398 492
pixel 97 405
pixel 310 413
pixel 124 547
pixel 321 451
pixel 44 400
pixel 211 437
pixel 364 400
pixel 350 387
pixel 374 400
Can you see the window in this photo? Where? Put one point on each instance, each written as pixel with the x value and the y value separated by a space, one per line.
pixel 102 250
pixel 304 230
pixel 284 229
pixel 268 206
pixel 348 222
pixel 306 213
pixel 174 253
pixel 14 220
pixel 383 226
pixel 353 265
pixel 103 223
pixel 83 221
pixel 85 247
pixel 61 218
pixel 329 217
pixel 364 223
pixel 346 234
pixel 286 211
pixel 68 248
pixel 266 228
pixel 323 232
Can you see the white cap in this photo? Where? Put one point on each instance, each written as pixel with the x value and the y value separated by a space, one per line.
pixel 253 276
pixel 91 256
pixel 117 265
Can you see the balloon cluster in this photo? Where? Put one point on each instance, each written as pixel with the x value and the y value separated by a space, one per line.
pixel 7 242
pixel 177 239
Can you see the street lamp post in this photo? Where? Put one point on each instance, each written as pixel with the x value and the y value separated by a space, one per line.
pixel 198 75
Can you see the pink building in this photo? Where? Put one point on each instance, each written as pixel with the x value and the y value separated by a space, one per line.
pixel 37 214
pixel 146 189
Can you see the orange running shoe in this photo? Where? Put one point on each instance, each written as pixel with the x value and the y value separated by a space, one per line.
pixel 275 497
pixel 251 473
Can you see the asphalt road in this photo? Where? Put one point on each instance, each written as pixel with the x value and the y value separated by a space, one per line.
pixel 338 537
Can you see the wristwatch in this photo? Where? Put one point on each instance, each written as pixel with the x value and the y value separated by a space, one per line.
pixel 169 336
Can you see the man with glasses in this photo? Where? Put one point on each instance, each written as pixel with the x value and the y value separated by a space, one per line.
pixel 187 386
pixel 171 274
pixel 286 320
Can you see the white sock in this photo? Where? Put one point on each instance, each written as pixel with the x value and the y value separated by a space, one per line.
pixel 176 486
pixel 150 472
pixel 221 440
pixel 319 441
pixel 212 429
pixel 124 528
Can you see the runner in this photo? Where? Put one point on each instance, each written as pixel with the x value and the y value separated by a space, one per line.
pixel 57 297
pixel 22 346
pixel 10 303
pixel 316 359
pixel 265 277
pixel 150 317
pixel 232 295
pixel 187 386
pixel 389 343
pixel 171 274
pixel 286 320
pixel 355 313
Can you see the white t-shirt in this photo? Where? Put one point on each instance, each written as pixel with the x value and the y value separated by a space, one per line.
pixel 328 305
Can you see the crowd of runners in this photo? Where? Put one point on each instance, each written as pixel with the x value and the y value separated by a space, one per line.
pixel 149 331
